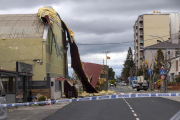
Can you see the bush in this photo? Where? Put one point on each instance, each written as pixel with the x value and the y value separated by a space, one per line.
pixel 42 98
pixel 177 79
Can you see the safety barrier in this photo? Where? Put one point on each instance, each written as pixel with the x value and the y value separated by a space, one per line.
pixel 115 96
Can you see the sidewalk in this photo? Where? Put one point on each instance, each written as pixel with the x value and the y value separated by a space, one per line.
pixel 33 112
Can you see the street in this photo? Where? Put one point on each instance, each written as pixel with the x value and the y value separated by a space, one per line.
pixel 116 109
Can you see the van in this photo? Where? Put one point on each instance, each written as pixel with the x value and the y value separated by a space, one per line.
pixel 134 83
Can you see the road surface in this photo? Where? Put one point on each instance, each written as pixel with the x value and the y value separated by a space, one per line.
pixel 118 109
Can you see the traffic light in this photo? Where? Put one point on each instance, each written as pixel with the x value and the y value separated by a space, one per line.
pixel 145 61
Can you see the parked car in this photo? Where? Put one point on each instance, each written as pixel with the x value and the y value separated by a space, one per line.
pixel 123 84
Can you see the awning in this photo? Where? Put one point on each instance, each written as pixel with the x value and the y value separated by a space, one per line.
pixel 60 78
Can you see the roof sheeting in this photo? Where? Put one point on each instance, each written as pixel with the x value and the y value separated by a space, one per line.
pixel 93 70
pixel 21 26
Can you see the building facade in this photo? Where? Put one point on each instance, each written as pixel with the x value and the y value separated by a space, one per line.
pixel 158 24
pixel 173 49
pixel 28 39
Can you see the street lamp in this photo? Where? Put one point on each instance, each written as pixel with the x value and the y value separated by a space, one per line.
pixel 165 57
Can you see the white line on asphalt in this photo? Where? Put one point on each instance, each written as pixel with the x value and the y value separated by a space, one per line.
pixel 130 107
pixel 137 119
pixel 135 114
pixel 132 110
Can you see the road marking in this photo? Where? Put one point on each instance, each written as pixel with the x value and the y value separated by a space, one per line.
pixel 135 114
pixel 132 110
pixel 137 119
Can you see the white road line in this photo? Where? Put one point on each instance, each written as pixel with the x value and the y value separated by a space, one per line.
pixel 132 110
pixel 137 119
pixel 135 114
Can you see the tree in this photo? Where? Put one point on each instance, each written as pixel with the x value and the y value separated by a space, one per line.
pixel 129 65
pixel 139 72
pixel 159 61
pixel 111 74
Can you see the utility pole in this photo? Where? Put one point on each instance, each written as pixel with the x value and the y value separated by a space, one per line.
pixel 106 55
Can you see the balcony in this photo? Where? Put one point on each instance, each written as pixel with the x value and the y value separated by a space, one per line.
pixel 141 41
pixel 140 19
pixel 140 25
pixel 141 47
pixel 141 33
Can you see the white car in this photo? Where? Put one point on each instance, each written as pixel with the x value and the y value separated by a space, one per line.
pixel 123 84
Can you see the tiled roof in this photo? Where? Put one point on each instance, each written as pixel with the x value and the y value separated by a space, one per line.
pixel 162 45
pixel 14 26
pixel 93 70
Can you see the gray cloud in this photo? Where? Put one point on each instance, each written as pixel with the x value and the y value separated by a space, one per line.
pixel 98 21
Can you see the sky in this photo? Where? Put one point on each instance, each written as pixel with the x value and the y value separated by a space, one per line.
pixel 96 22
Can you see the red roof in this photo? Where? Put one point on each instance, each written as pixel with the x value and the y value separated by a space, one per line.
pixel 93 70
pixel 60 78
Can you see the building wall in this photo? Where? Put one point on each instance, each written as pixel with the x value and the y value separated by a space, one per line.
pixel 56 66
pixel 145 25
pixel 23 50
pixel 174 25
pixel 158 25
pixel 175 62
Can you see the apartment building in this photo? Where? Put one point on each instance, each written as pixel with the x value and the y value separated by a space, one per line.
pixel 165 25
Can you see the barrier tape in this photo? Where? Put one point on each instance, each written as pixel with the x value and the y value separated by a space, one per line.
pixel 115 96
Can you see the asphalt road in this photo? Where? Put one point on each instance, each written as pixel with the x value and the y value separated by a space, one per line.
pixel 118 109
pixel 122 89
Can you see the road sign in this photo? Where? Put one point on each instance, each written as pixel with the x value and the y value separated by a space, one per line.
pixel 134 78
pixel 150 71
pixel 162 72
pixel 162 67
pixel 163 77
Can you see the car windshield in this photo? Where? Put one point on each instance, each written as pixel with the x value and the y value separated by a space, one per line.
pixel 134 82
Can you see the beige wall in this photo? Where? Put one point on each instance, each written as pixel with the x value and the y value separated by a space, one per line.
pixel 23 50
pixel 158 25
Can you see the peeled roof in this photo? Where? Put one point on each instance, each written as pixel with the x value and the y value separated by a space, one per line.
pixel 14 26
pixel 93 70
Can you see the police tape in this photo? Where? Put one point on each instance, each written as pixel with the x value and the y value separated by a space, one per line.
pixel 115 96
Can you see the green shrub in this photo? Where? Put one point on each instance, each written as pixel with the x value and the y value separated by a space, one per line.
pixel 42 98
pixel 177 79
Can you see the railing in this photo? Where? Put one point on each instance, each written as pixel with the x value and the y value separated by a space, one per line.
pixel 141 26
pixel 141 33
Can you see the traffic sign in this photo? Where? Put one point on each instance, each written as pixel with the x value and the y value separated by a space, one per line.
pixel 162 67
pixel 163 77
pixel 150 71
pixel 162 72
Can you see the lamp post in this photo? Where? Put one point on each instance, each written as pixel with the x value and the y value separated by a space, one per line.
pixel 165 59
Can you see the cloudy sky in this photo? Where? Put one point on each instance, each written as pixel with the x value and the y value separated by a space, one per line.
pixel 96 22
